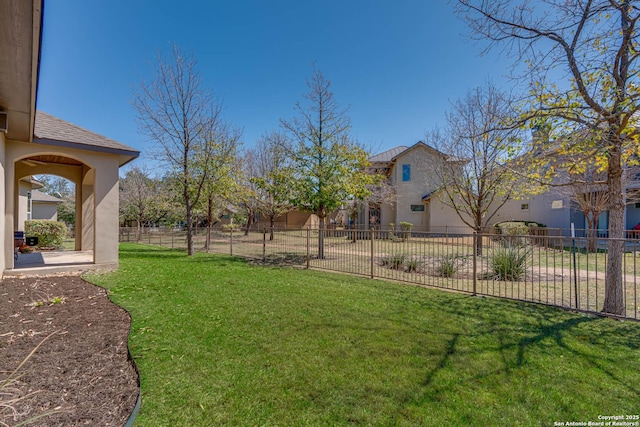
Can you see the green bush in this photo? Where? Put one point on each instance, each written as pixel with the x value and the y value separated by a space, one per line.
pixel 394 261
pixel 448 266
pixel 508 263
pixel 50 234
pixel 405 230
pixel 411 265
pixel 513 233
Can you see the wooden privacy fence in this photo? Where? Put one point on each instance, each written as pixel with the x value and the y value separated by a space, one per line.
pixel 554 270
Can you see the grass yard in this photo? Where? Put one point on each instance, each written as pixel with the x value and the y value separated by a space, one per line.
pixel 221 342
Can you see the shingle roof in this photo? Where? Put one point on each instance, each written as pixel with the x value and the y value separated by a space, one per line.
pixel 49 130
pixel 39 196
pixel 387 156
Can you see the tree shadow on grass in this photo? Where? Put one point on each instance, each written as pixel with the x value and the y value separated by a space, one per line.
pixel 517 332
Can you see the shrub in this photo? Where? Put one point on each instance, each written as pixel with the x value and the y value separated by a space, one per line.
pixel 50 234
pixel 411 265
pixel 508 263
pixel 405 230
pixel 394 261
pixel 448 266
pixel 513 233
pixel 391 234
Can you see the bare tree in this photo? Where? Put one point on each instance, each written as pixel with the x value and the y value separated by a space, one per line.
pixel 181 116
pixel 477 143
pixel 595 43
pixel 329 167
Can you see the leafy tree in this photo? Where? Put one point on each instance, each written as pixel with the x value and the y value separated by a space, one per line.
pixel 221 181
pixel 142 199
pixel 271 175
pixel 582 63
pixel 477 142
pixel 183 119
pixel 64 189
pixel 328 166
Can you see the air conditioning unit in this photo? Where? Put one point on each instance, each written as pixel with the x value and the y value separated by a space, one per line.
pixel 4 121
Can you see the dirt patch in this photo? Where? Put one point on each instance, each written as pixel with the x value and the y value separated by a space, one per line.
pixel 82 370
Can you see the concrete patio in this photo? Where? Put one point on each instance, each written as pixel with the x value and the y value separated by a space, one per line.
pixel 40 263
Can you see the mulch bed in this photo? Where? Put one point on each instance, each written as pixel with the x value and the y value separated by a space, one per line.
pixel 81 372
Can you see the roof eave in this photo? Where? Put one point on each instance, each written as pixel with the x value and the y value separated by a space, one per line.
pixel 125 155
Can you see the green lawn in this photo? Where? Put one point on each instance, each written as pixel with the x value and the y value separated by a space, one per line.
pixel 221 342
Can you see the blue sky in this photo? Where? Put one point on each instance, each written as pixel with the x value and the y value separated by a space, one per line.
pixel 395 64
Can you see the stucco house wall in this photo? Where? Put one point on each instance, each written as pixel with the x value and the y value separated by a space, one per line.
pixel 420 162
pixel 445 219
pixel 23 190
pixel 550 209
pixel 44 206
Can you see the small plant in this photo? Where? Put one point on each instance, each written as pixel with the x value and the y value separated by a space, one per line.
pixel 24 249
pixel 508 263
pixel 448 266
pixel 394 261
pixel 411 265
pixel 57 300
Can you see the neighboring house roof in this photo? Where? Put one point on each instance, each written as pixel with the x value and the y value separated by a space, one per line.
pixel 39 196
pixel 392 154
pixel 389 155
pixel 34 182
pixel 54 131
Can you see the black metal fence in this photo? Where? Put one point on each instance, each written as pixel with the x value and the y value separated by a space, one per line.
pixel 555 270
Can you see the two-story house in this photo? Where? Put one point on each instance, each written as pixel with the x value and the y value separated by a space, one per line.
pixel 411 171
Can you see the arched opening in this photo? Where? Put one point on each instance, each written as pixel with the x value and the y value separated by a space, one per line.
pixel 56 187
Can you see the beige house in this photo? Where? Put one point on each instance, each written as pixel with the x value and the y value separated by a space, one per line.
pixel 416 201
pixel 35 143
pixel 44 206
pixel 34 204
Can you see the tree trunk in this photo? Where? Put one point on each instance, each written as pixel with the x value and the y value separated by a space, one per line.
pixel 189 228
pixel 614 287
pixel 478 230
pixel 139 231
pixel 354 233
pixel 321 235
pixel 249 222
pixel 592 223
pixel 271 221
pixel 207 242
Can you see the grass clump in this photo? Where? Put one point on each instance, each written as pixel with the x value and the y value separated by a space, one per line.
pixel 508 263
pixel 221 342
pixel 448 266
pixel 411 265
pixel 395 262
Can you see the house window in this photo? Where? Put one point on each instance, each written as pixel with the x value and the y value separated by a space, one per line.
pixel 406 173
pixel 524 207
pixel 417 208
pixel 637 205
pixel 556 204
